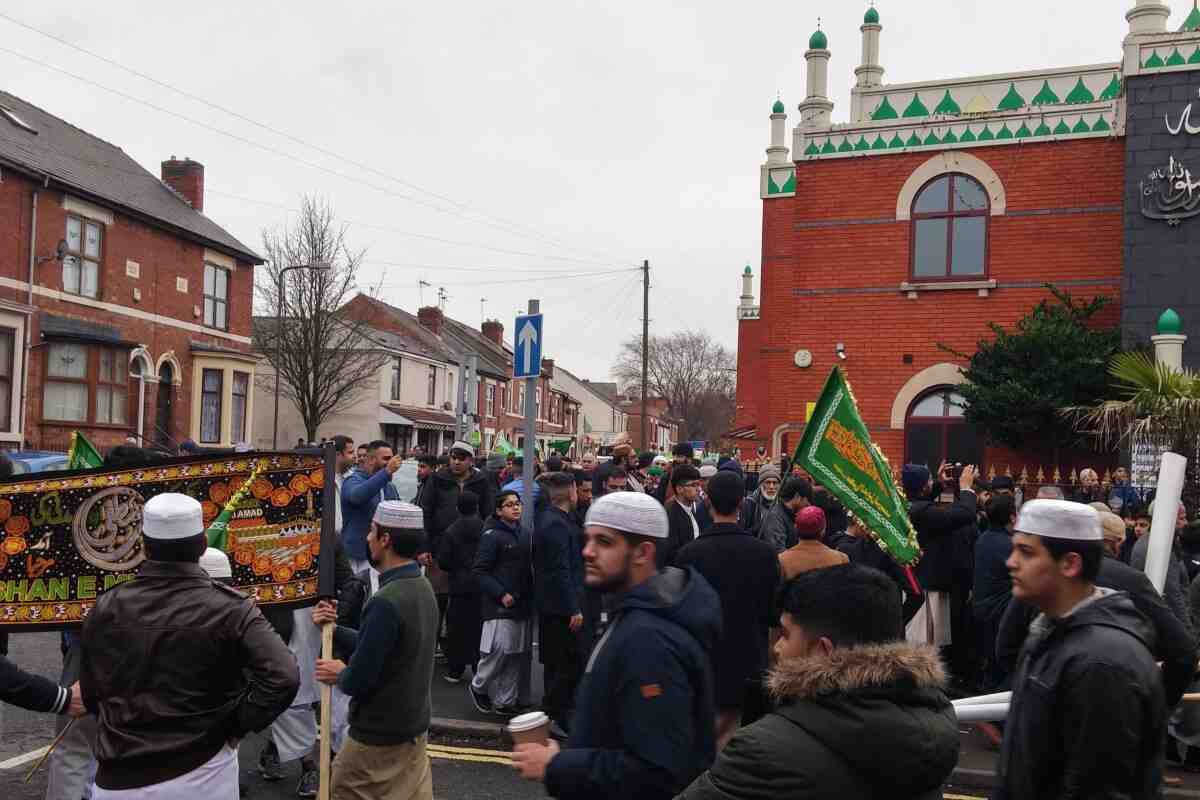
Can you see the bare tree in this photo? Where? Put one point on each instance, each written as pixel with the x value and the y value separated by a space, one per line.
pixel 693 373
pixel 323 360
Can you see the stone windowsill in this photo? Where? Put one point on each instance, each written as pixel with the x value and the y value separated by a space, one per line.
pixel 983 288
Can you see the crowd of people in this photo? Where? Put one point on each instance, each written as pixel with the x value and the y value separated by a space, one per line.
pixel 704 633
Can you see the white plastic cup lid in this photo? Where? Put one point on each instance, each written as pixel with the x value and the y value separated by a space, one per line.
pixel 527 722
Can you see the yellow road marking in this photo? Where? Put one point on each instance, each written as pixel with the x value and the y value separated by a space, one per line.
pixel 467 757
pixel 962 797
pixel 468 751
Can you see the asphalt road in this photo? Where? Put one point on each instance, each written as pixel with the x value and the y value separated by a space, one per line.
pixel 463 768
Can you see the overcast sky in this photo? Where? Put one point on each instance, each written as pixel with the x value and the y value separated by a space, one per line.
pixel 572 138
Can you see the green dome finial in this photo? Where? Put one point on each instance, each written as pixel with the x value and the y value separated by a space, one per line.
pixel 872 16
pixel 818 41
pixel 1169 324
pixel 778 108
pixel 748 271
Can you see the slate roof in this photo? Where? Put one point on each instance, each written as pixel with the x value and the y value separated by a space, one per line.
pixel 92 168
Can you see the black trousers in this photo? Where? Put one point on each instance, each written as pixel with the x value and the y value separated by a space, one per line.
pixel 562 661
pixel 464 626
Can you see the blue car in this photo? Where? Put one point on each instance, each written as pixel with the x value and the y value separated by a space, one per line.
pixel 26 462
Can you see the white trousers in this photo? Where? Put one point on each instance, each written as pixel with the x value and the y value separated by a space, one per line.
pixel 216 779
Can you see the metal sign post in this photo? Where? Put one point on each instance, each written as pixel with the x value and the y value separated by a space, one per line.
pixel 527 364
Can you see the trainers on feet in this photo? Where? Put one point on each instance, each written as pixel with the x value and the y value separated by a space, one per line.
pixel 268 764
pixel 449 678
pixel 483 703
pixel 310 781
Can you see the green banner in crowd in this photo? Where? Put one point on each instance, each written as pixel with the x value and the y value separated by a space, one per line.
pixel 67 537
pixel 561 446
pixel 839 453
pixel 84 454
pixel 501 446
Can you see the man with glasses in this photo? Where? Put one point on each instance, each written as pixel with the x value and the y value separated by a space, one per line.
pixel 681 512
pixel 503 566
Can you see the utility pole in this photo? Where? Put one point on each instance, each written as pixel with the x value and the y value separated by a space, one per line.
pixel 645 348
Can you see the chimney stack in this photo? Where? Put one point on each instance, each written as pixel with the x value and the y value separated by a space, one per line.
pixel 548 367
pixel 493 331
pixel 187 178
pixel 431 318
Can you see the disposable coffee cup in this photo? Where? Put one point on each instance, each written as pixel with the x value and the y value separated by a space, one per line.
pixel 531 728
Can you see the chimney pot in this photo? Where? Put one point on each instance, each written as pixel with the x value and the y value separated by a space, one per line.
pixel 493 331
pixel 548 367
pixel 431 317
pixel 187 178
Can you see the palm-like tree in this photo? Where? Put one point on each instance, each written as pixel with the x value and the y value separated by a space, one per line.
pixel 1157 403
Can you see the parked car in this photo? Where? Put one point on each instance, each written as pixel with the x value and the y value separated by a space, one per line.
pixel 26 462
pixel 405 480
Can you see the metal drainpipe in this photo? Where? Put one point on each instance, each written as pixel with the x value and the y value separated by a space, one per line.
pixel 29 315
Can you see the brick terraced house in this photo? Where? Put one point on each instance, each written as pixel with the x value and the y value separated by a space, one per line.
pixel 941 206
pixel 124 310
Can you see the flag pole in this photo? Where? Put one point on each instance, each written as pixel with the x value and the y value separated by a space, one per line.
pixel 327 590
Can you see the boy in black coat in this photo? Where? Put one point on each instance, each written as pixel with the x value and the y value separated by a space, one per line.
pixel 456 556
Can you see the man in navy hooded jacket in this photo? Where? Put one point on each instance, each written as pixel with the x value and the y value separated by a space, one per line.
pixel 643 723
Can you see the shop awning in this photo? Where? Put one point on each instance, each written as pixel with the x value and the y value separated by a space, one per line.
pixel 389 417
pixel 419 417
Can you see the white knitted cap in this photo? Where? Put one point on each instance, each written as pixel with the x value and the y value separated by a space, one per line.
pixel 216 564
pixel 630 512
pixel 396 514
pixel 171 516
pixel 1060 519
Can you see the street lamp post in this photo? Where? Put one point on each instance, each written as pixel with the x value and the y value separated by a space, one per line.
pixel 316 265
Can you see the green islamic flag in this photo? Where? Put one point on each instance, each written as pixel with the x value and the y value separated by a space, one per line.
pixel 562 446
pixel 83 453
pixel 839 453
pixel 501 446
pixel 218 532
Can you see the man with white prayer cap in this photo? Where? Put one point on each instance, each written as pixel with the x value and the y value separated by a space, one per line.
pixel 1087 718
pixel 643 723
pixel 390 669
pixel 178 668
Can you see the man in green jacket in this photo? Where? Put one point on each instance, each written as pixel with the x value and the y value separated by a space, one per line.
pixel 389 673
pixel 861 713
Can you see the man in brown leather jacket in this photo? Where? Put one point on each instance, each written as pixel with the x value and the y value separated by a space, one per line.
pixel 178 667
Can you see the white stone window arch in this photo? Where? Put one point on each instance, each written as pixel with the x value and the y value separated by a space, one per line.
pixel 142 363
pixel 176 370
pixel 946 162
pixel 928 378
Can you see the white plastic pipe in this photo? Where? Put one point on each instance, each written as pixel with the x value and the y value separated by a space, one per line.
pixel 1162 526
pixel 984 699
pixel 984 712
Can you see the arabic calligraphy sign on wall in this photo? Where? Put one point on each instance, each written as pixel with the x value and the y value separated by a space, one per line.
pixel 68 537
pixel 1169 192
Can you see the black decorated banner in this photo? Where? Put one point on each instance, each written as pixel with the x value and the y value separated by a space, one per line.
pixel 69 536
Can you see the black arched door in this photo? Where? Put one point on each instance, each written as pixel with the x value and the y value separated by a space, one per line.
pixel 163 412
pixel 935 431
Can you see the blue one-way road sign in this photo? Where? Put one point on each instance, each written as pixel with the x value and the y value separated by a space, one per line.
pixel 527 346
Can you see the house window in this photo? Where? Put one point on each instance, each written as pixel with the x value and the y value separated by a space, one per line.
pixel 216 297
pixel 936 431
pixel 8 346
pixel 210 405
pixel 491 400
pixel 537 403
pixel 950 229
pixel 431 397
pixel 85 384
pixel 81 263
pixel 111 386
pixel 241 391
pixel 395 393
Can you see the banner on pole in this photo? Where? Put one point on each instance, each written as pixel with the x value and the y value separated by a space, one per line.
pixel 69 536
pixel 837 449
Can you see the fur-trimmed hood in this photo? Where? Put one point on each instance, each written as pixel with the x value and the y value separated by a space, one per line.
pixel 896 665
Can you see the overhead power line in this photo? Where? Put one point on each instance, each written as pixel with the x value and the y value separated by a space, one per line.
pixel 463 207
pixel 273 151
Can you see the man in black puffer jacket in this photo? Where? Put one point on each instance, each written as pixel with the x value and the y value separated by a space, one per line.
pixel 860 715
